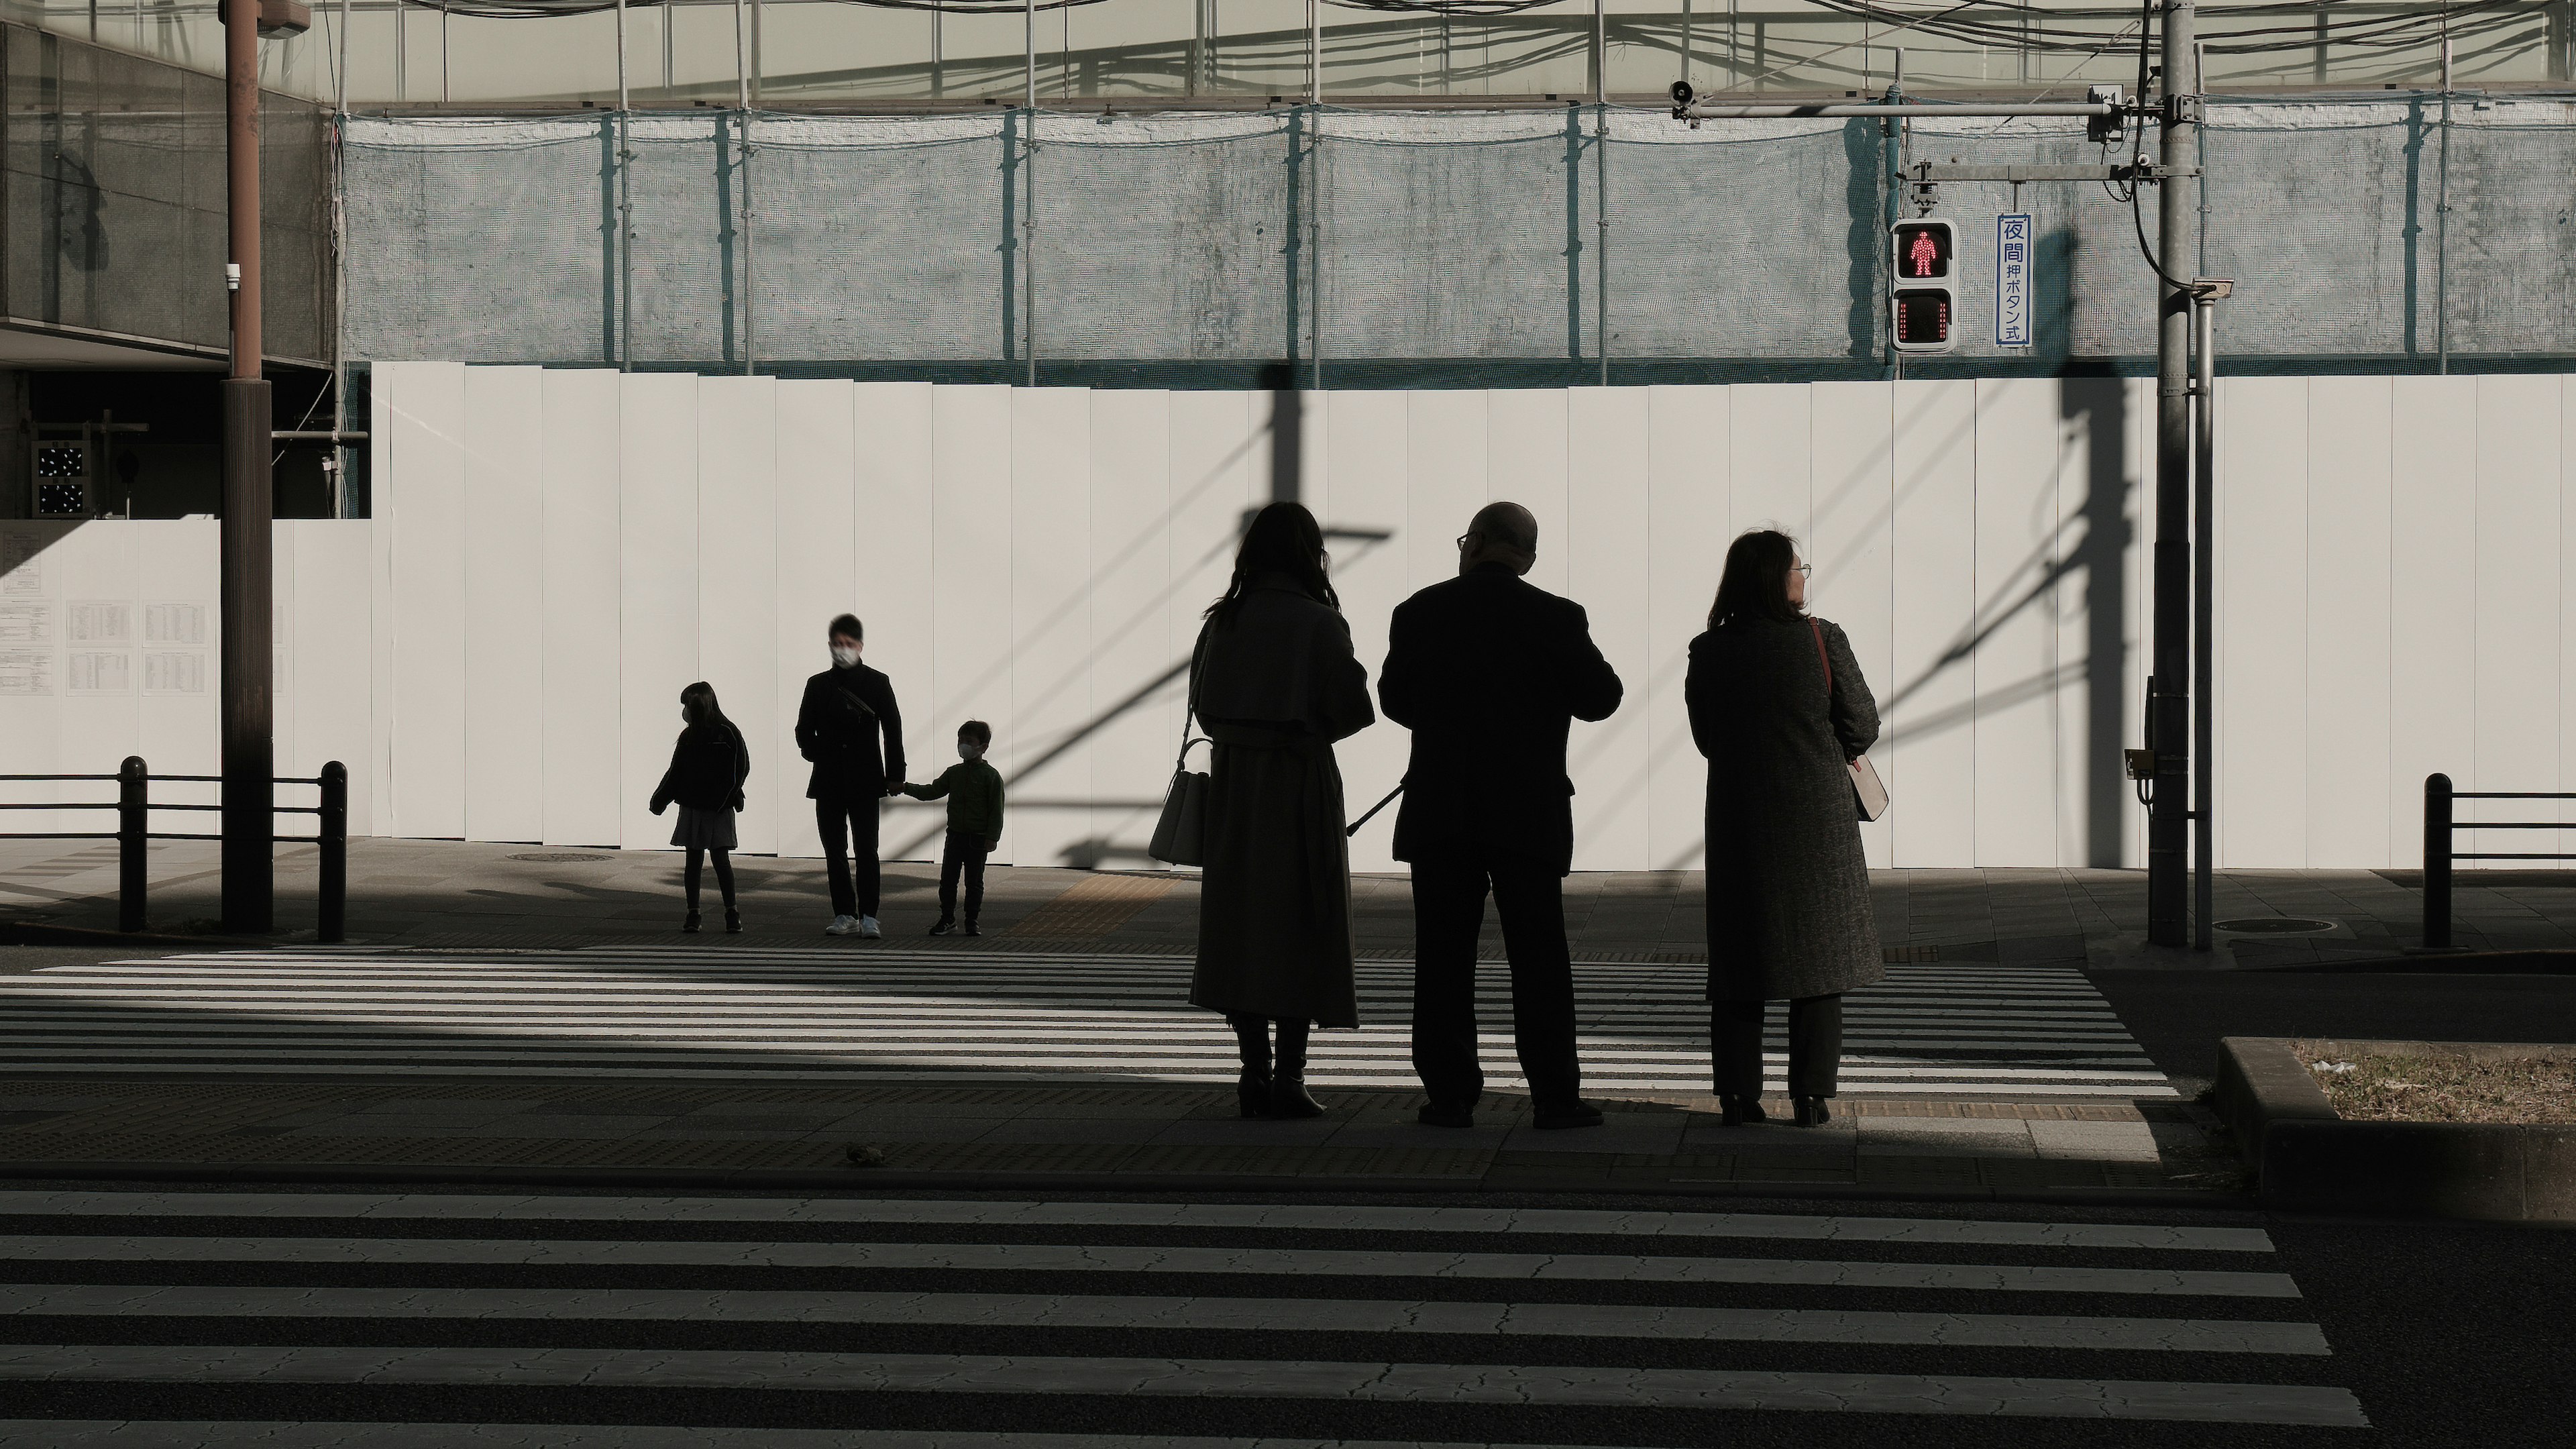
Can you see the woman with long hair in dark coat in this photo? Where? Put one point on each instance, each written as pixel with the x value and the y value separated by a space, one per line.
pixel 1778 705
pixel 708 766
pixel 1275 684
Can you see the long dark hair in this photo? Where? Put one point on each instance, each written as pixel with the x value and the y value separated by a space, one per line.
pixel 705 716
pixel 1283 539
pixel 1756 582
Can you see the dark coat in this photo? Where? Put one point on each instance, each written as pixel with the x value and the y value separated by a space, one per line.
pixel 1274 688
pixel 1488 671
pixel 1788 889
pixel 839 726
pixel 708 767
pixel 973 790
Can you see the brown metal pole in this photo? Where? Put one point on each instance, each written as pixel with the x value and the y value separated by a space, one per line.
pixel 249 792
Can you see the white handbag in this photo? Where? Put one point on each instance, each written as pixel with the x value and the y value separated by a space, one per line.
pixel 1869 793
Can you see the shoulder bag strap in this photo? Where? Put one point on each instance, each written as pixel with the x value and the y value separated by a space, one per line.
pixel 1822 657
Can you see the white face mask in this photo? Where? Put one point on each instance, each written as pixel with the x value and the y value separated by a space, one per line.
pixel 844 655
pixel 969 750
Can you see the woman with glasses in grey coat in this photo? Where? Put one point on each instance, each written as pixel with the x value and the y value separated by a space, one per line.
pixel 1778 705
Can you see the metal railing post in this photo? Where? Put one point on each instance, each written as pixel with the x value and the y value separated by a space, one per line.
pixel 2437 861
pixel 133 840
pixel 334 832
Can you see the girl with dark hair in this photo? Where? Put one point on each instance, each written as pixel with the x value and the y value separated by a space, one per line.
pixel 1274 684
pixel 1778 705
pixel 708 766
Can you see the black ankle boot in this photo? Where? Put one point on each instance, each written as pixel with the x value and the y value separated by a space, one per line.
pixel 1252 1089
pixel 1812 1112
pixel 1288 1096
pixel 691 923
pixel 733 921
pixel 1737 1111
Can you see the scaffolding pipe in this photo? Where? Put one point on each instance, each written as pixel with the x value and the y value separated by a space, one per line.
pixel 2204 541
pixel 1029 209
pixel 1601 244
pixel 742 69
pixel 1315 52
pixel 2442 224
pixel 626 203
pixel 1710 112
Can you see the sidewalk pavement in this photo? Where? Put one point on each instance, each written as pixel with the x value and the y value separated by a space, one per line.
pixel 454 893
pixel 450 896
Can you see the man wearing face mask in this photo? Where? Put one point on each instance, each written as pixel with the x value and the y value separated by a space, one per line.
pixel 849 727
pixel 973 790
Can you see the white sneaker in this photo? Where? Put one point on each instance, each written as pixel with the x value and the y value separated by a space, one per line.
pixel 868 929
pixel 842 926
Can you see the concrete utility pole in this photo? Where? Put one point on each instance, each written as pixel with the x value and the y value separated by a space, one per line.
pixel 2169 721
pixel 249 764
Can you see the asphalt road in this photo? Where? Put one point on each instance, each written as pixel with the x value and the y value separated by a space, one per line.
pixel 1436 1320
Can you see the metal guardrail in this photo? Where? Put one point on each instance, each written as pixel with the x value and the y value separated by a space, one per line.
pixel 2438 855
pixel 133 833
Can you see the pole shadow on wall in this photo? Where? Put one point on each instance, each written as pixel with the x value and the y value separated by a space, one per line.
pixel 1285 438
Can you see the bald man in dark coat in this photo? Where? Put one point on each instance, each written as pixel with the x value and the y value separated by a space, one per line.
pixel 1488 671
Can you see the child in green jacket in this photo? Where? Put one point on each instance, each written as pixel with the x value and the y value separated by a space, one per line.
pixel 974 793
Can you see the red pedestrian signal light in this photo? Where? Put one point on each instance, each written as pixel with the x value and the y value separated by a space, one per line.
pixel 1924 250
pixel 1923 301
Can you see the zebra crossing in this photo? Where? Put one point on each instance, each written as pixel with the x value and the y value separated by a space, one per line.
pixel 773 1014
pixel 330 1318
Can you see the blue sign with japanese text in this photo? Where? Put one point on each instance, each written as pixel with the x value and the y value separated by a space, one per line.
pixel 2013 258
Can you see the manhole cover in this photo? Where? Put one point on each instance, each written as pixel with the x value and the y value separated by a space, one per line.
pixel 554 855
pixel 2275 926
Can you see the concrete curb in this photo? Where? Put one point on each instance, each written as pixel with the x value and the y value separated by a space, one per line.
pixel 33 933
pixel 862 1182
pixel 2539 962
pixel 2305 1156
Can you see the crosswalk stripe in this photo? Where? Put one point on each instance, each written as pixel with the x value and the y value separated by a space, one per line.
pixel 858 1015
pixel 1380 1383
pixel 259 1434
pixel 1096 1258
pixel 1338 1217
pixel 1182 1313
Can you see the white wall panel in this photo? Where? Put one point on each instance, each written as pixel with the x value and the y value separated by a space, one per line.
pixel 658 566
pixel 335 665
pixel 1607 548
pixel 88 581
pixel 1688 457
pixel 973 585
pixel 426 402
pixel 1853 546
pixel 582 703
pixel 738 577
pixel 1367 462
pixel 2096 606
pixel 1528 461
pixel 1136 666
pixel 2348 622
pixel 1445 459
pixel 1770 429
pixel 1929 703
pixel 505 569
pixel 2517 585
pixel 691 526
pixel 2262 656
pixel 176 566
pixel 816 522
pixel 2432 598
pixel 1212 441
pixel 898 526
pixel 2015 657
pixel 1053 657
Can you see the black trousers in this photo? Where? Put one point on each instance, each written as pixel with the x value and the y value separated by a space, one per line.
pixel 1448 912
pixel 1815 1046
pixel 849 828
pixel 963 856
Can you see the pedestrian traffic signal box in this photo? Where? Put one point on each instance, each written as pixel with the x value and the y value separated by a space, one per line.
pixel 1924 297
